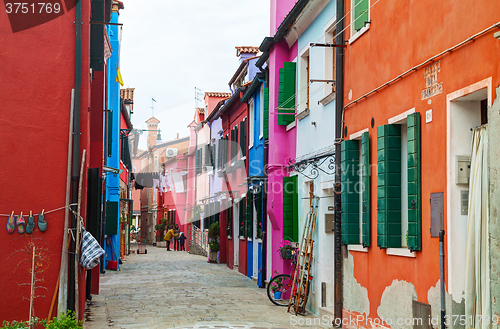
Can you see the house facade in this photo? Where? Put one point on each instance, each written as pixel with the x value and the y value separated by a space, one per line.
pixel 409 125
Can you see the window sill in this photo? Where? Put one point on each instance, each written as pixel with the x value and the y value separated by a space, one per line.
pixel 249 239
pixel 357 247
pixel 328 99
pixel 229 237
pixel 356 35
pixel 302 114
pixel 403 252
pixel 250 147
pixel 258 240
pixel 261 136
pixel 242 238
pixel 291 125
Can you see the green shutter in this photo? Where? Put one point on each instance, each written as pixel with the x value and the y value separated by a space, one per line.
pixel 249 216
pixel 349 177
pixel 361 9
pixel 111 222
pixel 414 187
pixel 266 112
pixel 290 209
pixel 243 139
pixel 389 186
pixel 259 206
pixel 365 188
pixel 286 99
pixel 241 219
pixel 207 155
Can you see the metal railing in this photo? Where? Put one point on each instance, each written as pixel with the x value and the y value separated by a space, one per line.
pixel 197 238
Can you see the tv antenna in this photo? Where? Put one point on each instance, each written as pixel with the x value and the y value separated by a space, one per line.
pixel 197 94
pixel 153 101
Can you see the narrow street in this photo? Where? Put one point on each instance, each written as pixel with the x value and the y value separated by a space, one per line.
pixel 175 289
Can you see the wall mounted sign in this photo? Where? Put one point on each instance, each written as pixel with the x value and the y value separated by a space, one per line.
pixel 433 87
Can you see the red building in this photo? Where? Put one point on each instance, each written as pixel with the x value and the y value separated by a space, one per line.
pixel 37 91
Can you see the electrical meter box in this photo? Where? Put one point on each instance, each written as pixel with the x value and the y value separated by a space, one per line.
pixel 462 169
pixel 329 223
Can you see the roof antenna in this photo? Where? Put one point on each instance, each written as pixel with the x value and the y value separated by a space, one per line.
pixel 152 107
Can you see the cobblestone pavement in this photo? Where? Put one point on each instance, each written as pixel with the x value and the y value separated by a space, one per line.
pixel 173 289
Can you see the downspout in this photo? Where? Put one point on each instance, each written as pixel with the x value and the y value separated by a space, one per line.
pixel 441 263
pixel 76 150
pixel 264 207
pixel 339 102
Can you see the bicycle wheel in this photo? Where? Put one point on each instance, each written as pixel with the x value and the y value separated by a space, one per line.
pixel 280 283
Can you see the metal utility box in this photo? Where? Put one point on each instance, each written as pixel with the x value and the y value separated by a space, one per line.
pixel 437 213
pixel 329 223
pixel 463 169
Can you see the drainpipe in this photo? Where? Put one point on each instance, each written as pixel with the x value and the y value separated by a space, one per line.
pixel 339 104
pixel 76 150
pixel 441 255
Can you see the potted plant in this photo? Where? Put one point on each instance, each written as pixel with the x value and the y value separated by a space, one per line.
pixel 286 250
pixel 213 241
pixel 276 287
pixel 160 228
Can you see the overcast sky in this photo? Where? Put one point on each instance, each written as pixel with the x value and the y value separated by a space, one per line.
pixel 170 47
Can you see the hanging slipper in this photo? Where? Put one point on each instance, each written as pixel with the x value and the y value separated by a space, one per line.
pixel 20 223
pixel 42 224
pixel 11 223
pixel 31 223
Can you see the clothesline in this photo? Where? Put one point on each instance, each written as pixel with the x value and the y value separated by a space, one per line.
pixel 45 212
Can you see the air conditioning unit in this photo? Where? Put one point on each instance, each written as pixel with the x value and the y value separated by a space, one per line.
pixel 171 153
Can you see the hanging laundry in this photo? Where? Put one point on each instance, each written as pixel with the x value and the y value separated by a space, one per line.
pixel 170 184
pixel 178 182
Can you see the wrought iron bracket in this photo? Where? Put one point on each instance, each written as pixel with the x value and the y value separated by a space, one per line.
pixel 311 168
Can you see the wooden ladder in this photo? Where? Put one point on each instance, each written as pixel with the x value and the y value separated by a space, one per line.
pixel 302 273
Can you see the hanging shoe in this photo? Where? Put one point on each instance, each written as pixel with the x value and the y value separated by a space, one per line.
pixel 31 223
pixel 11 223
pixel 20 223
pixel 42 224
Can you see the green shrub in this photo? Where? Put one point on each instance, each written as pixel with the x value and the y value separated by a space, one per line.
pixel 67 321
pixel 213 237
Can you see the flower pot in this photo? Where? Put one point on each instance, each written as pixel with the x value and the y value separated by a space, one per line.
pixel 286 254
pixel 277 295
pixel 213 257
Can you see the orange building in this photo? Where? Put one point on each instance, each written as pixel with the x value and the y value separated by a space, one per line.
pixel 418 75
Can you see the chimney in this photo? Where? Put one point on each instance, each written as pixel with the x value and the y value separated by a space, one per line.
pixel 246 52
pixel 177 135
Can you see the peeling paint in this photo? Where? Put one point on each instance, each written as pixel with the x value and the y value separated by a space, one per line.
pixel 396 303
pixel 355 296
pixel 451 306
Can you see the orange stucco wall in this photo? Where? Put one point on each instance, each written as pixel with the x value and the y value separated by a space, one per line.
pixel 404 34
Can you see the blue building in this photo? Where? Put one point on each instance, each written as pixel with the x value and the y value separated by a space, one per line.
pixel 255 96
pixel 112 145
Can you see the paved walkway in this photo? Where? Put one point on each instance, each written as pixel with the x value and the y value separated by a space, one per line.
pixel 177 290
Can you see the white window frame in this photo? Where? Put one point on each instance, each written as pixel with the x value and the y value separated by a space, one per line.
pixel 302 81
pixel 330 30
pixel 400 119
pixel 261 108
pixel 251 125
pixel 356 34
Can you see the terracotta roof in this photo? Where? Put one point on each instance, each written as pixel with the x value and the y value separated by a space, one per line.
pixel 127 94
pixel 247 50
pixel 216 94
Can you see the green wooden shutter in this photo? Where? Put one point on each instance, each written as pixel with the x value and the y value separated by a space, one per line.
pixel 361 11
pixel 349 198
pixel 259 206
pixel 111 222
pixel 207 155
pixel 389 186
pixel 241 219
pixel 286 99
pixel 266 113
pixel 365 188
pixel 290 209
pixel 243 129
pixel 249 216
pixel 414 179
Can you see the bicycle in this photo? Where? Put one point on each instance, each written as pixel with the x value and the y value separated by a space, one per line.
pixel 283 283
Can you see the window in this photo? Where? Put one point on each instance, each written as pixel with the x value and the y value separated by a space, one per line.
pixel 156 162
pixel 355 197
pixel 398 184
pixel 241 219
pixel 304 81
pixel 249 215
pixel 260 207
pixel 266 112
pixel 243 137
pixel 330 61
pixel 251 122
pixel 360 18
pixel 198 161
pixel 229 219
